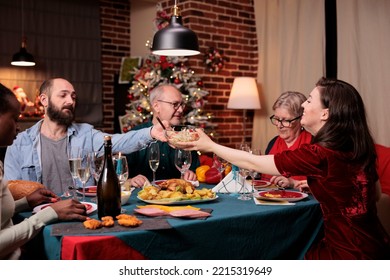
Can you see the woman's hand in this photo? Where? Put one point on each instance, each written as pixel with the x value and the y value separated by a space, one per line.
pixel 302 186
pixel 41 196
pixel 70 209
pixel 282 182
pixel 204 143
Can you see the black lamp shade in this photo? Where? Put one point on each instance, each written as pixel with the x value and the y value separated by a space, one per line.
pixel 23 58
pixel 175 40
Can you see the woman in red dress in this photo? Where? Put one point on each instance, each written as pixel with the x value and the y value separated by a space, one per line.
pixel 340 169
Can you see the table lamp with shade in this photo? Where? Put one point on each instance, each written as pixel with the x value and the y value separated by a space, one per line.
pixel 244 95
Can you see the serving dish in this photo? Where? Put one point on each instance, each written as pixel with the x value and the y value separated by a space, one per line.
pixel 172 201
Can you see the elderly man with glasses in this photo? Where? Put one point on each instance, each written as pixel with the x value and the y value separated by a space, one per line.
pixel 167 104
pixel 291 135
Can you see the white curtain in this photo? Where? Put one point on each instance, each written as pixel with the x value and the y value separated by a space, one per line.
pixel 291 55
pixel 363 29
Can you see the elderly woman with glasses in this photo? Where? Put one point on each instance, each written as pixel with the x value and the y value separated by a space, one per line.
pixel 291 135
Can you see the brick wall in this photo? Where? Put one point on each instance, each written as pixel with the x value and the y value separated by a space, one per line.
pixel 226 25
pixel 115 30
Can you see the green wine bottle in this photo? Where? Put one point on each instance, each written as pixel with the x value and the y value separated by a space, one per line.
pixel 108 188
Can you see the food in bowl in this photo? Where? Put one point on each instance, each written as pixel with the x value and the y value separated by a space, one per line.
pixel 184 135
pixel 125 196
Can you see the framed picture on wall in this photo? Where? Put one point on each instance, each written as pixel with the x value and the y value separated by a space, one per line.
pixel 127 67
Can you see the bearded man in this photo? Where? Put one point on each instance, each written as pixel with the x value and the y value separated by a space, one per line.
pixel 40 152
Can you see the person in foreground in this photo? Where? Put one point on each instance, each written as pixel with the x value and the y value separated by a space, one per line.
pixel 40 153
pixel 167 104
pixel 291 135
pixel 12 237
pixel 340 169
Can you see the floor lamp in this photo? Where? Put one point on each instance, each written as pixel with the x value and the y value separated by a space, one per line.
pixel 244 95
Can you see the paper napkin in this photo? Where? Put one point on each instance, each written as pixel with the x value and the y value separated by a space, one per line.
pixel 232 183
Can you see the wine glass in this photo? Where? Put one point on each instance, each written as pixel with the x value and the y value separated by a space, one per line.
pixel 253 173
pixel 220 164
pixel 154 159
pixel 121 168
pixel 183 161
pixel 97 161
pixel 244 173
pixel 74 158
pixel 84 169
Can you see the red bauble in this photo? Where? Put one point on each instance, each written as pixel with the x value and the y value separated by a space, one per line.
pixel 177 81
pixel 139 109
pixel 131 96
pixel 199 83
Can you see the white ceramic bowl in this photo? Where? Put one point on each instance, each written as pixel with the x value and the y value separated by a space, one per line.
pixel 125 195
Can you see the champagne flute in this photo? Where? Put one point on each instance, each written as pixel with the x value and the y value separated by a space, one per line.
pixel 74 159
pixel 183 161
pixel 154 159
pixel 121 168
pixel 84 169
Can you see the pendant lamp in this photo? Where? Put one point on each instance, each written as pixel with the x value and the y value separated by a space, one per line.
pixel 175 39
pixel 23 58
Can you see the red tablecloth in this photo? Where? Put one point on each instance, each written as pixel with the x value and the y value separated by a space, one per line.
pixel 97 248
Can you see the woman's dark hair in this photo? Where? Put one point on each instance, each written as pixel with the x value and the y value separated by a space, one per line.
pixel 5 99
pixel 346 128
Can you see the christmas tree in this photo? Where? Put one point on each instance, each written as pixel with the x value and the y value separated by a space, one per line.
pixel 156 70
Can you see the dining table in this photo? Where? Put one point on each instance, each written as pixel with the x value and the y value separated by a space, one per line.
pixel 235 230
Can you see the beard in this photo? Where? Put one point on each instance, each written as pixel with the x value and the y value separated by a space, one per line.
pixel 60 117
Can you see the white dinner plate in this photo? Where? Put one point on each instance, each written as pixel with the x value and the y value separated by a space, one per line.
pixel 280 195
pixel 170 201
pixel 89 191
pixel 90 207
pixel 262 185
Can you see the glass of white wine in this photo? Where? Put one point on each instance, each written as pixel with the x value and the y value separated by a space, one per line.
pixel 84 169
pixel 121 168
pixel 183 161
pixel 154 159
pixel 74 158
